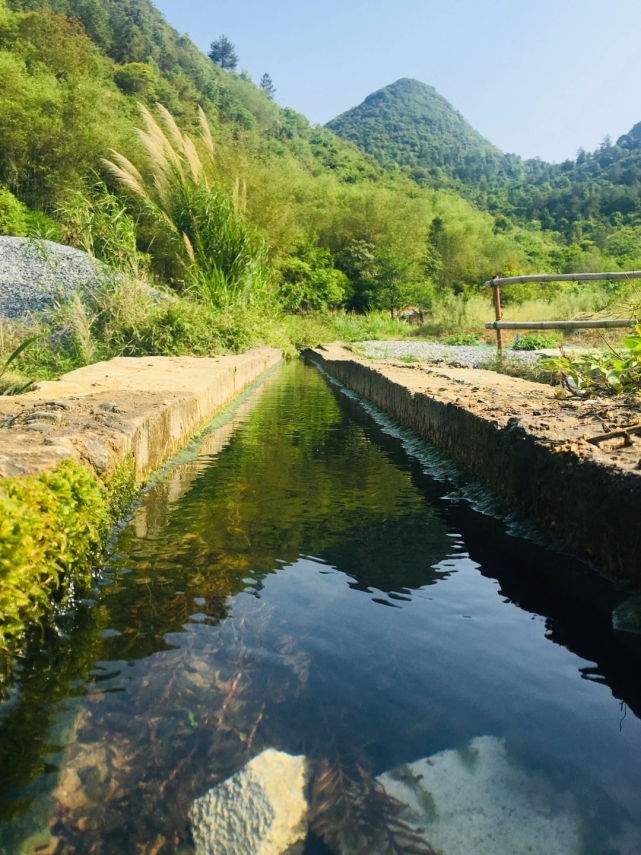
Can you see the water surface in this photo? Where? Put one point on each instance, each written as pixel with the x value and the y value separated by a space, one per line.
pixel 300 581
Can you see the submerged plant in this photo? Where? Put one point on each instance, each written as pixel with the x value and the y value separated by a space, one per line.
pixel 222 257
pixel 352 812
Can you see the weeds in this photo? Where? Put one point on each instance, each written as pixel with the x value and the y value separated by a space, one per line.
pixel 462 340
pixel 17 387
pixel 600 372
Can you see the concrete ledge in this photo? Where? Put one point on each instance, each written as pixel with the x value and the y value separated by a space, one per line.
pixel 531 448
pixel 98 415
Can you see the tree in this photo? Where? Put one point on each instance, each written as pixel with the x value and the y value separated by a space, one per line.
pixel 267 85
pixel 223 53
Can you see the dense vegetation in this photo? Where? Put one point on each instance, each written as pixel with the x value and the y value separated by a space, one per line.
pixel 262 228
pixel 53 528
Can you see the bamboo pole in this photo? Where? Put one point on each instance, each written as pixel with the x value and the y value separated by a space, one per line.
pixel 497 311
pixel 563 277
pixel 499 325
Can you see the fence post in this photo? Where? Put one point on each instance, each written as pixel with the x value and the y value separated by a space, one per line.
pixel 497 312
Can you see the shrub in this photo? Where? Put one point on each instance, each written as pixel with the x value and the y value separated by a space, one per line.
pixel 461 340
pixel 532 341
pixel 14 216
pixel 600 372
pixel 53 528
pixel 136 78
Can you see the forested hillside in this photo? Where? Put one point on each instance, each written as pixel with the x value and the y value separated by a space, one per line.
pixel 72 73
pixel 409 126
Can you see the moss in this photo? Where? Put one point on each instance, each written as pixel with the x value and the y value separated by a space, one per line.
pixel 427 802
pixel 122 490
pixel 53 527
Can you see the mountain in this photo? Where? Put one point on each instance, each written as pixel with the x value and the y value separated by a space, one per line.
pixel 73 72
pixel 409 124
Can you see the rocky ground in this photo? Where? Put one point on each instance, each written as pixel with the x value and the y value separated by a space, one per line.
pixel 435 353
pixel 33 274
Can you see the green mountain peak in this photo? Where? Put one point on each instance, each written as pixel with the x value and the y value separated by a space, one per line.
pixel 409 124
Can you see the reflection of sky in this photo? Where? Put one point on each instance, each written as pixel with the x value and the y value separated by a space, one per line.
pixel 454 662
pixel 449 661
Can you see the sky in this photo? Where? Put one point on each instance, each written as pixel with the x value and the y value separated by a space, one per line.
pixel 536 77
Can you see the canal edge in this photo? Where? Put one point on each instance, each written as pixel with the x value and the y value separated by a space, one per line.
pixel 565 486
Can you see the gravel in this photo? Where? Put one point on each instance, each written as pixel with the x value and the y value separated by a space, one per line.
pixel 456 355
pixel 35 273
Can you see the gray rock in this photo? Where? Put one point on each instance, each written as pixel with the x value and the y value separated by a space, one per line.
pixel 98 455
pixel 261 810
pixel 34 273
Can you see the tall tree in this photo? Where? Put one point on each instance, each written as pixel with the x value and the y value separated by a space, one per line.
pixel 267 85
pixel 223 53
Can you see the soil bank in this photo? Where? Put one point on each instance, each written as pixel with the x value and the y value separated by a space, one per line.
pixel 530 447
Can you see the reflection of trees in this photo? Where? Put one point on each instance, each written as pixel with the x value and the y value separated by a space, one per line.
pixel 297 478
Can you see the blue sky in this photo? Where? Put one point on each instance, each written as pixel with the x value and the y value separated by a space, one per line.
pixel 536 78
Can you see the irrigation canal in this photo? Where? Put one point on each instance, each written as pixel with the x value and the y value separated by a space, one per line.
pixel 302 580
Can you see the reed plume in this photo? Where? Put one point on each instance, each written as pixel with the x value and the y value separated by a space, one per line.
pixel 222 257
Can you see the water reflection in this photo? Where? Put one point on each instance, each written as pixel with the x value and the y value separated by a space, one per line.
pixel 302 583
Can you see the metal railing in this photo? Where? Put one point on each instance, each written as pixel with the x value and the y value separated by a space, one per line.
pixel 499 324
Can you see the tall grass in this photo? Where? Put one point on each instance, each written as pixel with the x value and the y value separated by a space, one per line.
pixel 216 253
pixel 323 327
pixel 454 314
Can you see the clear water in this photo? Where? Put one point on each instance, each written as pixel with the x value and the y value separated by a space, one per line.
pixel 300 581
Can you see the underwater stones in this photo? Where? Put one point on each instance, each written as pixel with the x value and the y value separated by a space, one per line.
pixel 476 801
pixel 261 810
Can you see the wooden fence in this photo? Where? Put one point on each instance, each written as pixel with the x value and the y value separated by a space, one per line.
pixel 499 324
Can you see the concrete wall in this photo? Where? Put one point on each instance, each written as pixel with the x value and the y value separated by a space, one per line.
pixel 591 506
pixel 147 407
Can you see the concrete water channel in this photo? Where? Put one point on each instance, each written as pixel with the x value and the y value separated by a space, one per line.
pixel 313 578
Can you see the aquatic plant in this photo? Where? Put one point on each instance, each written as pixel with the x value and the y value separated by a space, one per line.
pixel 352 812
pixel 52 530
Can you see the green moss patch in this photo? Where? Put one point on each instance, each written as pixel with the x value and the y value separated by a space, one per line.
pixel 53 528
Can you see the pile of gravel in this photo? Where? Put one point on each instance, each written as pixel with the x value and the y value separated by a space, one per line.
pixel 459 356
pixel 35 273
